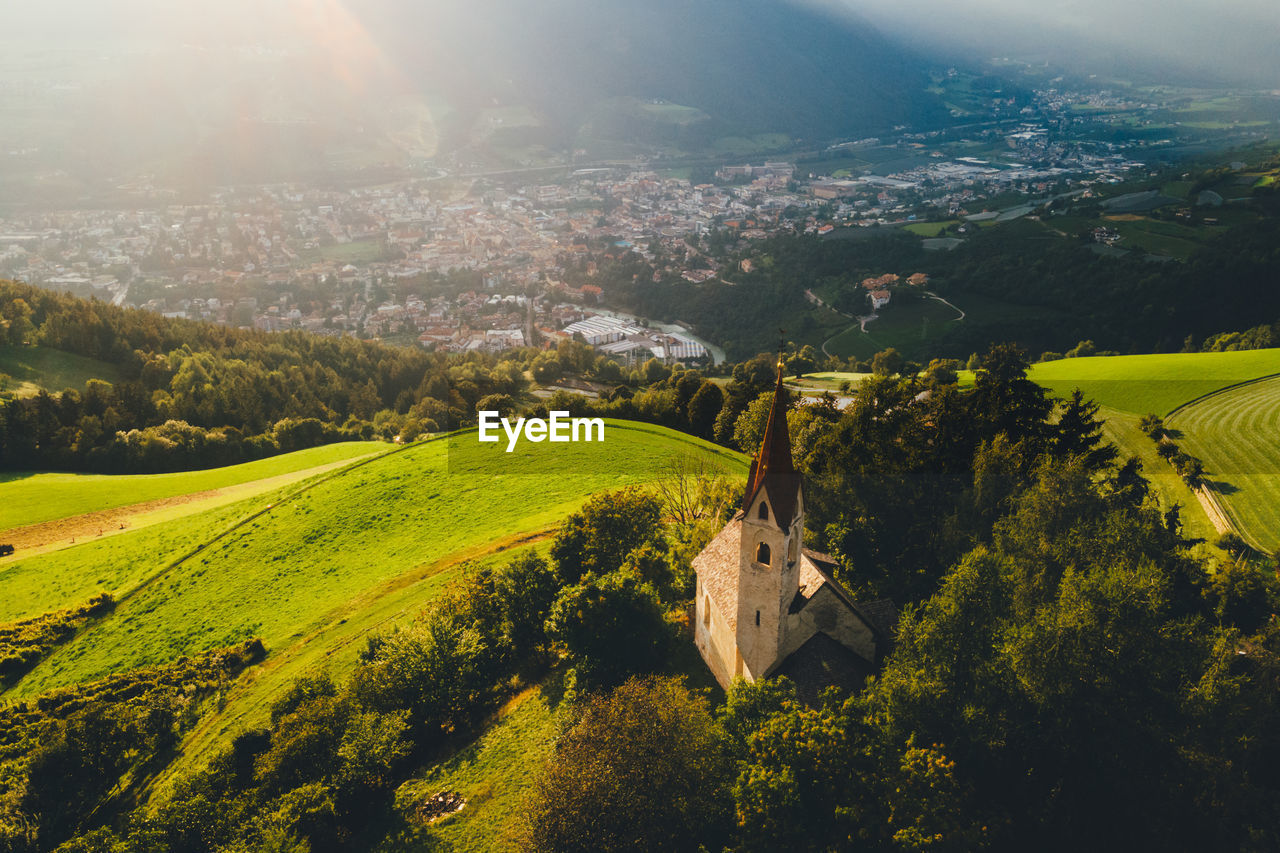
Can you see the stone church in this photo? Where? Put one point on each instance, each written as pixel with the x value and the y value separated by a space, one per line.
pixel 768 606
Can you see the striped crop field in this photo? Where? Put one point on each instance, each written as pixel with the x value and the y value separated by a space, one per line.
pixel 1155 384
pixel 1236 434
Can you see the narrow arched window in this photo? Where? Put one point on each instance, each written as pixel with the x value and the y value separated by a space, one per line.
pixel 706 610
pixel 764 511
pixel 757 618
pixel 762 554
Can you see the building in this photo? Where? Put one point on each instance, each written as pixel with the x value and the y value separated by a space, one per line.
pixel 768 606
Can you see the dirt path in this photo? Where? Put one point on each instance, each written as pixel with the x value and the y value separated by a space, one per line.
pixel 938 298
pixel 1209 503
pixel 65 532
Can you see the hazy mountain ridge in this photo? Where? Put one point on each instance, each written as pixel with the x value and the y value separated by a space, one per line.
pixel 752 66
pixel 294 89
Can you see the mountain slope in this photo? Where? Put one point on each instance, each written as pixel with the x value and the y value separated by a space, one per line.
pixel 749 65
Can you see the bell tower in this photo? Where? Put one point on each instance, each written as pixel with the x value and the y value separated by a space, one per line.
pixel 772 530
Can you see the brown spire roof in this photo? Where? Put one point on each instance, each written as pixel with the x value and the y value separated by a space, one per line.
pixel 773 466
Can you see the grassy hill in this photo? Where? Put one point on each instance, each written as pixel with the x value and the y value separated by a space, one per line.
pixel 1234 433
pixel 315 567
pixel 31 369
pixel 1155 384
pixel 1221 413
pixel 33 498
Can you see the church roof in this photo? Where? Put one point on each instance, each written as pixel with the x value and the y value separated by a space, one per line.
pixel 821 663
pixel 717 566
pixel 773 467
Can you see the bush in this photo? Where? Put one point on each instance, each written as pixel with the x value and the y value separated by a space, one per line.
pixel 441 669
pixel 612 627
pixel 609 527
pixel 644 769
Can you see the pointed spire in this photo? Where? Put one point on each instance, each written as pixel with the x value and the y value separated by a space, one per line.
pixel 774 458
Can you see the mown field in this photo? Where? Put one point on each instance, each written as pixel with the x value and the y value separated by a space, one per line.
pixel 316 566
pixel 1154 384
pixel 1236 434
pixel 31 369
pixel 32 498
pixel 1121 429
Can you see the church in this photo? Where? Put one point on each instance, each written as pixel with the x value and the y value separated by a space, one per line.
pixel 768 606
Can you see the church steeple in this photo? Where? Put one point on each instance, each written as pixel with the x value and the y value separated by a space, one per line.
pixel 773 466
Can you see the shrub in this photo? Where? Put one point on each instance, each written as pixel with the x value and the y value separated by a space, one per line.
pixel 611 627
pixel 644 769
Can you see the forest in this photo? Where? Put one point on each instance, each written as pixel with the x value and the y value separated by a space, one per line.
pixel 198 395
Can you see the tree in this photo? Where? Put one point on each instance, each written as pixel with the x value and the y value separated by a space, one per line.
pixel 887 362
pixel 526 587
pixel 609 526
pixel 1079 433
pixel 803 780
pixel 1080 626
pixel 654 371
pixel 748 431
pixel 611 627
pixel 942 371
pixel 704 406
pixel 547 368
pixel 1153 426
pixel 644 768
pixel 1005 400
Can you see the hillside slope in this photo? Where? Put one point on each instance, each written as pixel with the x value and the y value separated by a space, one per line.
pixel 313 568
pixel 1235 434
pixel 1222 409
pixel 27 499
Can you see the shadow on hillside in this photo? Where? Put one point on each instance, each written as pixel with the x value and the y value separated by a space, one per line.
pixel 1222 487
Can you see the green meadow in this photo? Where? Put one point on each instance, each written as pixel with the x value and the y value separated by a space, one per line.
pixel 31 369
pixel 1236 434
pixel 494 775
pixel 33 498
pixel 314 567
pixel 930 229
pixel 1155 384
pixel 1224 412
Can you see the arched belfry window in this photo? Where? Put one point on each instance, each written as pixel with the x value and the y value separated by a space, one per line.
pixel 764 511
pixel 762 554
